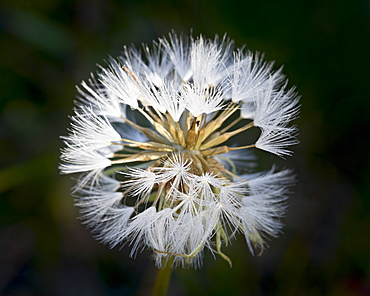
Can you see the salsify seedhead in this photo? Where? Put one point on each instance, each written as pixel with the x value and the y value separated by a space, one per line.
pixel 164 138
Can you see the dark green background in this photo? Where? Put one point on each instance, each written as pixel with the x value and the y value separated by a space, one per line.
pixel 47 47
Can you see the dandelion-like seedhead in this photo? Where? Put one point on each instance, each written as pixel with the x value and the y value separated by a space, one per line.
pixel 154 138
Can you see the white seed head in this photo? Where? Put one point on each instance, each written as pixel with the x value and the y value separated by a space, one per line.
pixel 162 139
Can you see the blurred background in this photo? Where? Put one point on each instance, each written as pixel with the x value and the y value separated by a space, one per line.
pixel 47 47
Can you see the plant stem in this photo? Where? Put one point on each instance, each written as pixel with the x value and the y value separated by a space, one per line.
pixel 163 279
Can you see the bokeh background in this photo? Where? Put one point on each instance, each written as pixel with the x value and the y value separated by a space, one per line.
pixel 47 47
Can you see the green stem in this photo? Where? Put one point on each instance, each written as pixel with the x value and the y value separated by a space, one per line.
pixel 163 279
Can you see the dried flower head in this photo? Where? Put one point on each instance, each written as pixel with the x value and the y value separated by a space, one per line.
pixel 162 139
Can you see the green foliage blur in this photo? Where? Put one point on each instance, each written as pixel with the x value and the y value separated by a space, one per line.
pixel 48 47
